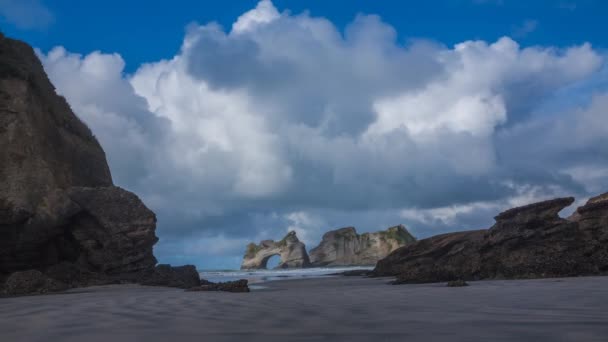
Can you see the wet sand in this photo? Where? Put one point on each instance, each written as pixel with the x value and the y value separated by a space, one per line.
pixel 330 309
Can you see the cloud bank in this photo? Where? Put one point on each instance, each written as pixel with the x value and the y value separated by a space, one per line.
pixel 286 122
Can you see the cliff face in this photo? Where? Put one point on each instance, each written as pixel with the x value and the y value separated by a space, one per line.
pixel 526 242
pixel 290 249
pixel 344 247
pixel 59 210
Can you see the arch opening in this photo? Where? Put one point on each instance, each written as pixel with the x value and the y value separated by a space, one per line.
pixel 272 261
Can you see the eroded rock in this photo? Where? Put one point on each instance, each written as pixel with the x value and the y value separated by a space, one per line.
pixel 344 247
pixel 59 211
pixel 457 283
pixel 229 286
pixel 526 242
pixel 31 282
pixel 290 249
pixel 184 277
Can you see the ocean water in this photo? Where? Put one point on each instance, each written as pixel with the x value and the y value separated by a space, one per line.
pixel 262 276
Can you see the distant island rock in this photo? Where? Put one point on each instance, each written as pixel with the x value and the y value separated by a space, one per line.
pixel 344 247
pixel 340 247
pixel 63 223
pixel 290 249
pixel 531 241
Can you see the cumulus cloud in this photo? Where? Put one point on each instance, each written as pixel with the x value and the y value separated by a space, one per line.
pixel 264 12
pixel 308 227
pixel 285 122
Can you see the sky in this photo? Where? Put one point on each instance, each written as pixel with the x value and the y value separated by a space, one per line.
pixel 240 121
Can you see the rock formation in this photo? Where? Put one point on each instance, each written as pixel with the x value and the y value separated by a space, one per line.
pixel 526 242
pixel 30 282
pixel 344 247
pixel 184 277
pixel 291 251
pixel 240 285
pixel 60 213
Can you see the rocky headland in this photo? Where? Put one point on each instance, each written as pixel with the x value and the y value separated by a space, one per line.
pixel 63 223
pixel 531 241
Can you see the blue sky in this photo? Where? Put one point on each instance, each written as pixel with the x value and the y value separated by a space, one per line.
pixel 240 122
pixel 143 31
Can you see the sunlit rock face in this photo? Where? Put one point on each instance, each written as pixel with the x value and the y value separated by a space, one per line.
pixel 525 242
pixel 344 247
pixel 290 249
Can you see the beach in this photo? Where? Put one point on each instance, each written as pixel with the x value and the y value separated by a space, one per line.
pixel 323 309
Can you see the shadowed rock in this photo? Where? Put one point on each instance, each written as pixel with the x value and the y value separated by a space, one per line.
pixel 184 277
pixel 344 247
pixel 457 283
pixel 60 213
pixel 526 242
pixel 32 282
pixel 290 249
pixel 229 286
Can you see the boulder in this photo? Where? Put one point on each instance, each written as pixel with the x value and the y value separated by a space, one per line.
pixel 229 286
pixel 290 249
pixel 344 247
pixel 525 242
pixel 31 282
pixel 457 283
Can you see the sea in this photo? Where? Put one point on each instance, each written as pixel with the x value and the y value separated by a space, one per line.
pixel 262 276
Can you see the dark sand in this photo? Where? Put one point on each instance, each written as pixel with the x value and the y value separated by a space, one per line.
pixel 331 309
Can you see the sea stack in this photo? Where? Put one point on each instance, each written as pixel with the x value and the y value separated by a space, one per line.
pixel 61 217
pixel 344 247
pixel 290 249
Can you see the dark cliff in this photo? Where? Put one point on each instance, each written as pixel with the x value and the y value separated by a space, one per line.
pixel 525 242
pixel 60 213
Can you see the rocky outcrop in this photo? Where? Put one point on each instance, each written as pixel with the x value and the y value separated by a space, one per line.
pixel 60 213
pixel 344 247
pixel 184 277
pixel 229 286
pixel 526 242
pixel 30 282
pixel 291 251
pixel 457 283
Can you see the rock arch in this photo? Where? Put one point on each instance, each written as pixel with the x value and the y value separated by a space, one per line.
pixel 290 249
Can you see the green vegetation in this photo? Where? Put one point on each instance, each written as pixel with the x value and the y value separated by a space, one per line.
pixel 398 234
pixel 252 250
pixel 283 241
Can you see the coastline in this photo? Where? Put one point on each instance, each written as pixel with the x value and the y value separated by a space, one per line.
pixel 260 276
pixel 331 308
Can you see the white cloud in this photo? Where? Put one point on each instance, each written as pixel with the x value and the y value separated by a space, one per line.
pixel 287 115
pixel 471 98
pixel 308 227
pixel 264 12
pixel 453 215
